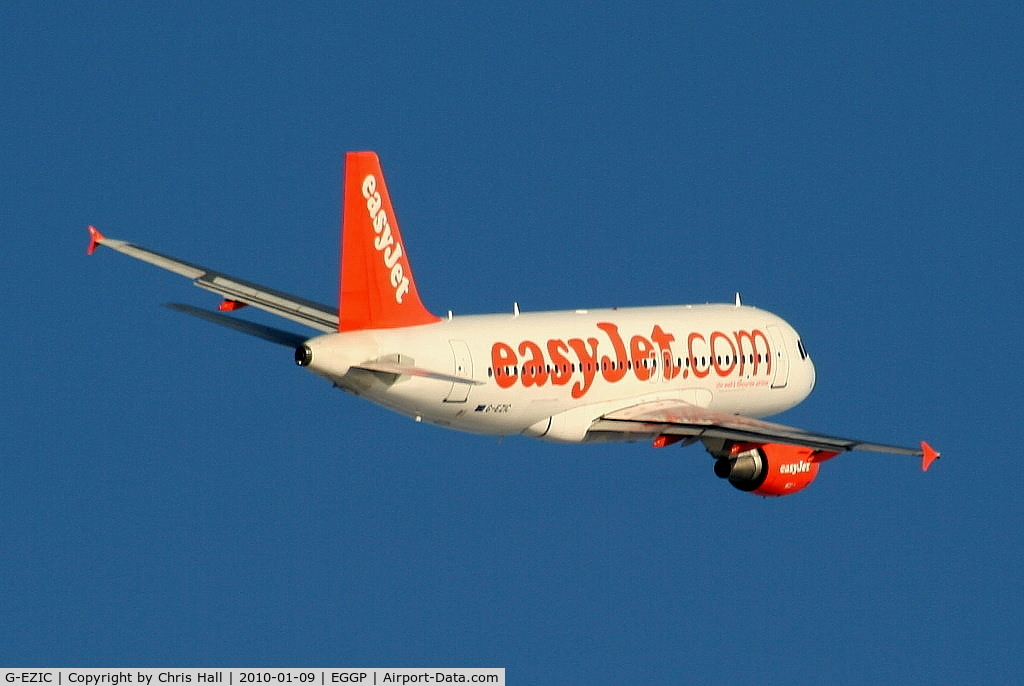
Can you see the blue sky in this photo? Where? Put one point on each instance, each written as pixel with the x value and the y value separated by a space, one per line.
pixel 175 494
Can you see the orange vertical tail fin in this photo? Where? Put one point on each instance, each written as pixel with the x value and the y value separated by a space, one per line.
pixel 377 289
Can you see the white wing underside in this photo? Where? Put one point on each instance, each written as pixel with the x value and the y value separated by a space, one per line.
pixel 676 418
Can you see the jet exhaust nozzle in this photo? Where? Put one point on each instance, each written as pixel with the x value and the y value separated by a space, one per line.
pixel 747 466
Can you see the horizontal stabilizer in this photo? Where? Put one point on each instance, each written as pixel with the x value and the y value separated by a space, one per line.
pixel 267 333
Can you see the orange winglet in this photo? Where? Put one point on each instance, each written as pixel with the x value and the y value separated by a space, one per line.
pixel 95 238
pixel 930 455
pixel 231 305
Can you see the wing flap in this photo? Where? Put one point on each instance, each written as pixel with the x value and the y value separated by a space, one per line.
pixel 312 314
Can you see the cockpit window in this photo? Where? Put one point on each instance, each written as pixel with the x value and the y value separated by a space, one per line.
pixel 800 347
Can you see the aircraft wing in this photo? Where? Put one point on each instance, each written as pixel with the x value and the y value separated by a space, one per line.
pixel 236 292
pixel 676 418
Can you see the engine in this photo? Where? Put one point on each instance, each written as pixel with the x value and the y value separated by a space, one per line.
pixel 770 469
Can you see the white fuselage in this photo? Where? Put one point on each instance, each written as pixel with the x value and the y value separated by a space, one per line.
pixel 551 374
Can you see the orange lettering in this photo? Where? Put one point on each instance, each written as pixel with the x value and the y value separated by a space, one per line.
pixel 560 373
pixel 613 369
pixel 640 349
pixel 504 361
pixel 588 364
pixel 533 371
pixel 694 361
pixel 722 368
pixel 559 360
pixel 752 337
pixel 663 340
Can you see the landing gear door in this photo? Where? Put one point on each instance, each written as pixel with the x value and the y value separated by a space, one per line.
pixel 780 358
pixel 464 368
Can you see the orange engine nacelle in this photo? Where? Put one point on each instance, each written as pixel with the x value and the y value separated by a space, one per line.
pixel 770 469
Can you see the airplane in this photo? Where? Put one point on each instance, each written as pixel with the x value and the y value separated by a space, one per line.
pixel 683 374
